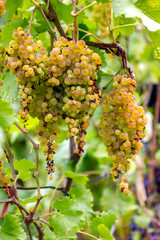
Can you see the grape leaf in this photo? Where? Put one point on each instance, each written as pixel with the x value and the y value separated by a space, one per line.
pixel 48 234
pixel 7 30
pixel 105 233
pixel 11 7
pixel 79 179
pixel 63 229
pixel 11 229
pixel 63 12
pixel 69 208
pixel 106 218
pixel 83 198
pixel 121 20
pixel 130 10
pixel 155 39
pixel 150 8
pixel 7 116
pixel 9 91
pixel 23 166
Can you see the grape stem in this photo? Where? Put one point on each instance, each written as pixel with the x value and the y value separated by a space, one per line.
pixel 77 13
pixel 126 25
pixel 31 20
pixel 75 24
pixel 52 16
pixel 38 6
pixel 36 146
pixel 10 156
pixel 87 234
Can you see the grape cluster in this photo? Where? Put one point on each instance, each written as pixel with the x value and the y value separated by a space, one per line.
pixel 55 88
pixel 123 187
pixel 4 181
pixel 122 124
pixel 2 8
pixel 102 16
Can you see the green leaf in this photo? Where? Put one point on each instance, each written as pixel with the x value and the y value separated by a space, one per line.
pixel 83 198
pixel 28 200
pixel 155 39
pixel 150 8
pixel 7 30
pixel 79 179
pixel 7 116
pixel 63 11
pixel 63 229
pixel 11 229
pixel 11 7
pixel 23 166
pixel 9 91
pixel 130 10
pixel 104 232
pixel 121 20
pixel 48 234
pixel 69 208
pixel 106 218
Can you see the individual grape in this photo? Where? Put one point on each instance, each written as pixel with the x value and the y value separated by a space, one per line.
pixel 122 125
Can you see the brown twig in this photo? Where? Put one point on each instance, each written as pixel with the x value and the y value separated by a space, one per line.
pixel 36 146
pixel 40 231
pixel 52 16
pixel 10 156
pixel 31 20
pixel 116 49
pixel 75 17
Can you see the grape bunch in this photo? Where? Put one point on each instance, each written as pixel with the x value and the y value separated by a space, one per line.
pixel 2 8
pixel 55 88
pixel 122 125
pixel 4 181
pixel 102 16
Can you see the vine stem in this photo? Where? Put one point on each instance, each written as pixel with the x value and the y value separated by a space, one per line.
pixel 11 162
pixel 87 234
pixel 54 192
pixel 38 6
pixel 75 24
pixel 31 20
pixel 36 146
pixel 77 13
pixel 126 25
pixel 27 224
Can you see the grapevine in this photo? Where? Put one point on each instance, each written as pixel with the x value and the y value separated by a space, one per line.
pixel 122 125
pixel 61 87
